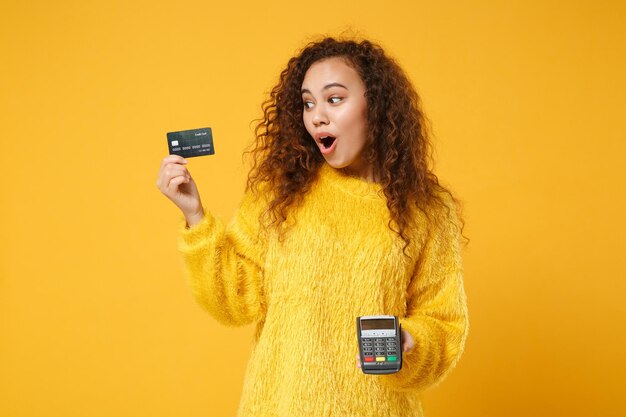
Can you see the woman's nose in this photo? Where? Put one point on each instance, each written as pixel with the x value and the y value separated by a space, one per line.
pixel 319 116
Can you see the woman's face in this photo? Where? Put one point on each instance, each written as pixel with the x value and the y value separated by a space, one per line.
pixel 335 114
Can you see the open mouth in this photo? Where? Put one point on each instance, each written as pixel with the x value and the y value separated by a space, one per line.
pixel 327 141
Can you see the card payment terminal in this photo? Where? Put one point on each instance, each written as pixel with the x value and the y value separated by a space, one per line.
pixel 380 344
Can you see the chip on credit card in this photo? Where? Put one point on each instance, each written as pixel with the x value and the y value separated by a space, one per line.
pixel 190 143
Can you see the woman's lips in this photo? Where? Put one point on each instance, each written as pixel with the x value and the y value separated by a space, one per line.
pixel 326 151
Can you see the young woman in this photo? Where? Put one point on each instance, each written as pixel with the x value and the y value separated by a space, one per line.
pixel 342 217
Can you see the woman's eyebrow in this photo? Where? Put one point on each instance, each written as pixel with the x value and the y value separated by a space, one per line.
pixel 326 87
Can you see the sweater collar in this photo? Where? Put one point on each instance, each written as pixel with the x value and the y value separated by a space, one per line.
pixel 348 183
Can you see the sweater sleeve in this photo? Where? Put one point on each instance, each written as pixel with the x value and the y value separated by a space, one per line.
pixel 436 316
pixel 224 264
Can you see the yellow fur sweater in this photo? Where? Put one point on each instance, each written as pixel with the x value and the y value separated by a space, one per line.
pixel 339 260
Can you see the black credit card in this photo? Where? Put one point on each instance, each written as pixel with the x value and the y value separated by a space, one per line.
pixel 190 143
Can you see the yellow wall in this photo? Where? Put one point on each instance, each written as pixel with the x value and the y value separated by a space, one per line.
pixel 527 104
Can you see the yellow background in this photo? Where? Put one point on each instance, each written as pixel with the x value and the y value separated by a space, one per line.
pixel 527 105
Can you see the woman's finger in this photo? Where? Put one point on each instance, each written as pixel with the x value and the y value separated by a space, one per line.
pixel 171 159
pixel 407 341
pixel 170 172
pixel 176 181
pixel 173 170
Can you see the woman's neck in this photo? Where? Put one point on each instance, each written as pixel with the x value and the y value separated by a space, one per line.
pixel 364 172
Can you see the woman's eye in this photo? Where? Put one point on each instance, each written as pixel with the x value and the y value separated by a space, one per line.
pixel 334 98
pixel 308 104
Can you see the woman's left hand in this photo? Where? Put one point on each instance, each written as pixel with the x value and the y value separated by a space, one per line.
pixel 407 345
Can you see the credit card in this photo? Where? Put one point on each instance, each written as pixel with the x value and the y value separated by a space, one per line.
pixel 190 143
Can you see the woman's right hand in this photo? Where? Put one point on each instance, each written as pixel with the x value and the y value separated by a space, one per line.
pixel 175 181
